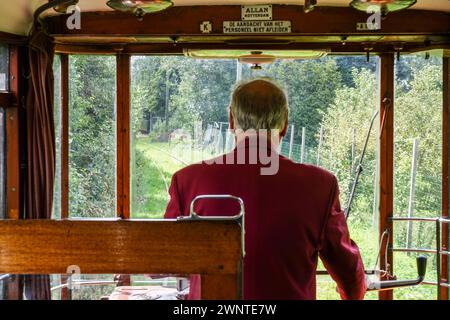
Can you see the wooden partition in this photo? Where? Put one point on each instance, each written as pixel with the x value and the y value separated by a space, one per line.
pixel 211 249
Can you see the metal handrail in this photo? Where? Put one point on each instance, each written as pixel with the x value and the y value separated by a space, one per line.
pixel 100 283
pixel 423 219
pixel 3 277
pixel 438 251
pixel 84 283
pixel 194 216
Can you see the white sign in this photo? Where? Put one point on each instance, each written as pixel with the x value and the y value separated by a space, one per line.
pixel 206 27
pixel 261 12
pixel 256 27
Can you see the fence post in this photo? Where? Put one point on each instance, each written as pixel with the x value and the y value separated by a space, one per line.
pixel 291 143
pixel 412 189
pixel 238 71
pixel 353 150
pixel 320 145
pixel 302 151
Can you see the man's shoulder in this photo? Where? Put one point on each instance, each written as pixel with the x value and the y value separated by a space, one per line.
pixel 198 167
pixel 309 170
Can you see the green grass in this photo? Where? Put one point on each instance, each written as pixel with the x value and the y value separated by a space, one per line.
pixel 152 174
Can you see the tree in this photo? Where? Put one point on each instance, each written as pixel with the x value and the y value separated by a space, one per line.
pixel 92 136
pixel 311 87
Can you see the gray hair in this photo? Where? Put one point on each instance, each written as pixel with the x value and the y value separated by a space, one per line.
pixel 259 104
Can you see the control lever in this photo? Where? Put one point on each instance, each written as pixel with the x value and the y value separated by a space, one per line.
pixel 392 284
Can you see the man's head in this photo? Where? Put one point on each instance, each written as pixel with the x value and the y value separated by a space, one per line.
pixel 257 105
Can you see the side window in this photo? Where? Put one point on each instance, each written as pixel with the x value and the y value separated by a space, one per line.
pixel 56 214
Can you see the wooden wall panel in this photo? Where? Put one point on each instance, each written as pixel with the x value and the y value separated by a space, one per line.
pixel 127 247
pixel 13 205
pixel 186 20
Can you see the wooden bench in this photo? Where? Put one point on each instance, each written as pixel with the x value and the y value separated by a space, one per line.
pixel 212 249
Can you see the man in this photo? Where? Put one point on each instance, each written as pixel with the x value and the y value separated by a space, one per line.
pixel 292 211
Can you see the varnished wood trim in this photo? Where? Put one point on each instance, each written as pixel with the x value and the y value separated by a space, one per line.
pixel 64 136
pixel 126 247
pixel 12 140
pixel 12 39
pixel 445 174
pixel 123 136
pixel 185 20
pixel 386 78
pixel 219 287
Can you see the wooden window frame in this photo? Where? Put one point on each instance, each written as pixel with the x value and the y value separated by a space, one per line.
pixel 11 100
pixel 122 135
pixel 444 278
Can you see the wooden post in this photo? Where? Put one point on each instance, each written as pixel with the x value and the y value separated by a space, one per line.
pixel 353 151
pixel 302 152
pixel 12 138
pixel 386 85
pixel 320 145
pixel 14 208
pixel 412 191
pixel 123 136
pixel 444 293
pixel 291 142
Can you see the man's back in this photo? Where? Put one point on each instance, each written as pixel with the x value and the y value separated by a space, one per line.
pixel 290 218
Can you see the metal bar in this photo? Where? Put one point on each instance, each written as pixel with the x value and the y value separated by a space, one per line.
pixel 438 257
pixel 302 152
pixel 83 283
pixel 4 277
pixel 320 145
pixel 432 283
pixel 291 142
pixel 422 250
pixel 412 191
pixel 441 220
pixel 413 219
pixel 431 251
pixel 359 168
pixel 367 272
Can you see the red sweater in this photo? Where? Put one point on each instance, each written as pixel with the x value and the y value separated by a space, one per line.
pixel 291 219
